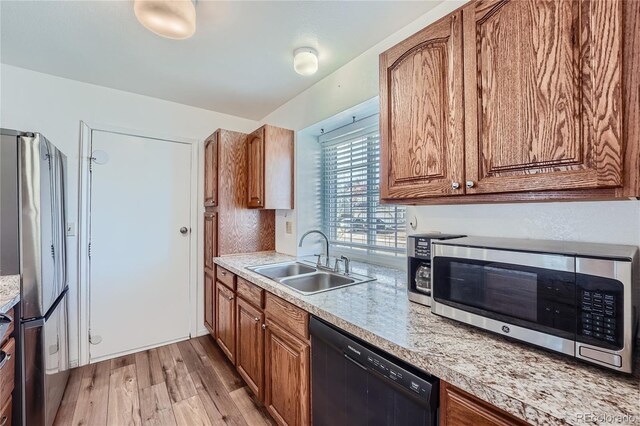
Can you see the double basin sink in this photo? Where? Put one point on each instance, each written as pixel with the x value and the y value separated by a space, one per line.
pixel 307 279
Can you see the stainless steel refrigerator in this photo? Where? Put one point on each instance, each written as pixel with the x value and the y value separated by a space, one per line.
pixel 33 244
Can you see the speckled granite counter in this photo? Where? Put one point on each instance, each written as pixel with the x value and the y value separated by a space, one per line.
pixel 538 386
pixel 9 292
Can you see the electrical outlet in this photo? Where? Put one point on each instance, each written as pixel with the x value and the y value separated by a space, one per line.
pixel 71 229
pixel 289 226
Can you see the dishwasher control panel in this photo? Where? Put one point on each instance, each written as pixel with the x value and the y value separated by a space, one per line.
pixel 388 369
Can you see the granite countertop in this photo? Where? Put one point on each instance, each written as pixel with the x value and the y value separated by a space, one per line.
pixel 535 385
pixel 9 292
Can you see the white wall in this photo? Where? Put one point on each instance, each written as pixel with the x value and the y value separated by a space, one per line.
pixel 357 81
pixel 615 222
pixel 54 106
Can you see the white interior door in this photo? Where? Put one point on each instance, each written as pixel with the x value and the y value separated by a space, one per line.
pixel 139 259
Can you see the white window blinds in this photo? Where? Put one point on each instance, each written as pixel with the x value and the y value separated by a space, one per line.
pixel 352 215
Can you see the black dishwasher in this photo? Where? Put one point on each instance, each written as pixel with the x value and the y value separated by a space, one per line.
pixel 353 383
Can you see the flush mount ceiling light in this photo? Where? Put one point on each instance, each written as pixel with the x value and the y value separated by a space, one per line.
pixel 174 19
pixel 305 61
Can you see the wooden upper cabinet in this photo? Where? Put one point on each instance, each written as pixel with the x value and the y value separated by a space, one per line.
pixel 210 239
pixel 422 114
pixel 255 169
pixel 543 95
pixel 270 152
pixel 250 345
pixel 211 171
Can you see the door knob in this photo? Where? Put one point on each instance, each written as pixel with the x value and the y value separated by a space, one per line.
pixel 184 230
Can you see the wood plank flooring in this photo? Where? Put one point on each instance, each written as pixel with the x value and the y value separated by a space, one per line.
pixel 188 383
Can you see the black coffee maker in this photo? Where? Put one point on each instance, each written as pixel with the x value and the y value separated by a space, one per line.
pixel 419 265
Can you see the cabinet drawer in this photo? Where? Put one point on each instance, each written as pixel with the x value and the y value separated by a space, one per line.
pixel 6 328
pixel 458 408
pixel 226 277
pixel 287 315
pixel 7 368
pixel 250 292
pixel 5 414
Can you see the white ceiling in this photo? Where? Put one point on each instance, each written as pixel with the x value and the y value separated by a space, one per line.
pixel 239 61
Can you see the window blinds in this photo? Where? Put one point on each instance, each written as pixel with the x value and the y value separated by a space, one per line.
pixel 350 194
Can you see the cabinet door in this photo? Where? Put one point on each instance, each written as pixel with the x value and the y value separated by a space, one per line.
pixel 286 376
pixel 209 301
pixel 226 321
pixel 422 114
pixel 210 239
pixel 458 408
pixel 211 171
pixel 250 346
pixel 542 95
pixel 255 171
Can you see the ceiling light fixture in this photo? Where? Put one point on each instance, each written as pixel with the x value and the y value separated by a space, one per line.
pixel 305 61
pixel 174 19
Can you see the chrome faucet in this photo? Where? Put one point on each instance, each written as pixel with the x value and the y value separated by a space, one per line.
pixel 326 240
pixel 347 262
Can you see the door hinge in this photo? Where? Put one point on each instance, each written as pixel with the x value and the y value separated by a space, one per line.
pixel 53 251
pixel 89 250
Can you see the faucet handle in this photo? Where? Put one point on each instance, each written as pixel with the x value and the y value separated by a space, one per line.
pixel 346 261
pixel 318 262
pixel 336 267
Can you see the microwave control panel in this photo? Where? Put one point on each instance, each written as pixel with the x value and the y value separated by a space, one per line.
pixel 423 248
pixel 599 315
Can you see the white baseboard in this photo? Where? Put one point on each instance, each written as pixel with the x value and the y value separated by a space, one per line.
pixel 202 332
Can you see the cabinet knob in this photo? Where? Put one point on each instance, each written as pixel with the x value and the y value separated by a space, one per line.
pixel 455 185
pixel 264 326
pixel 229 297
pixel 470 184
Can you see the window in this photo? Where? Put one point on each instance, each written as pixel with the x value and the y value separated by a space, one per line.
pixel 352 215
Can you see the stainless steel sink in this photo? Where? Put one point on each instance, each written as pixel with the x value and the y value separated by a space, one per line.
pixel 283 270
pixel 315 283
pixel 307 279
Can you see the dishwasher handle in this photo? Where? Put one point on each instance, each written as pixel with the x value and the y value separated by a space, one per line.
pixel 348 358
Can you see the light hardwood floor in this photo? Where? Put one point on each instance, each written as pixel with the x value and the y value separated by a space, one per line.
pixel 188 383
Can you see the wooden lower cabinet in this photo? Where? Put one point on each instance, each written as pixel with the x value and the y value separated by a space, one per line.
pixel 267 339
pixel 459 408
pixel 209 301
pixel 7 372
pixel 250 346
pixel 225 320
pixel 287 380
pixel 5 414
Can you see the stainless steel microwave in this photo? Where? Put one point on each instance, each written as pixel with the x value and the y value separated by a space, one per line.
pixel 579 299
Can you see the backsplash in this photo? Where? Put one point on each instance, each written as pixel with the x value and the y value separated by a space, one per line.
pixel 615 222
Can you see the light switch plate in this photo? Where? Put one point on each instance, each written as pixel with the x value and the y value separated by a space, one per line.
pixel 71 229
pixel 288 226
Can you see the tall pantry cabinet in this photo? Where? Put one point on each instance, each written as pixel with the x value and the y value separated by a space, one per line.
pixel 229 226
